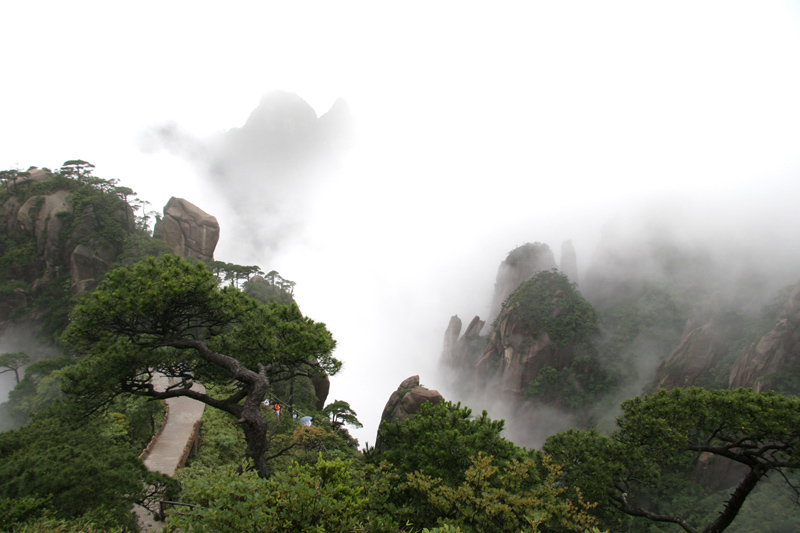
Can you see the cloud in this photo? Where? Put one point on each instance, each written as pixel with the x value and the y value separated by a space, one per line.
pixel 265 170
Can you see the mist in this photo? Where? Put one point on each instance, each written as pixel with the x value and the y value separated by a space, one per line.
pixel 22 337
pixel 265 171
pixel 387 262
pixel 711 259
pixel 387 160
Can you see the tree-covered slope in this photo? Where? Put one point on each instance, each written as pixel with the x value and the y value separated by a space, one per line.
pixel 59 233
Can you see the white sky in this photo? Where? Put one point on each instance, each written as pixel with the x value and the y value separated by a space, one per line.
pixel 479 127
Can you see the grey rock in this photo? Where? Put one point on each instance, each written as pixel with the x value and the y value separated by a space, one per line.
pixel 519 266
pixel 569 261
pixel 777 349
pixel 407 400
pixel 190 231
pixel 450 338
pixel 87 265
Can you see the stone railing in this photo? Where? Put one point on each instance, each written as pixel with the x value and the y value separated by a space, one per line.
pixel 191 444
pixel 147 449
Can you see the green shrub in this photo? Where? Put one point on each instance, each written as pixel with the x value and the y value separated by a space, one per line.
pixel 324 496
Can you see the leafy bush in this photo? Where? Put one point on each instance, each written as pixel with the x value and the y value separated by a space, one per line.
pixel 646 468
pixel 439 441
pixel 64 467
pixel 324 496
pixel 509 499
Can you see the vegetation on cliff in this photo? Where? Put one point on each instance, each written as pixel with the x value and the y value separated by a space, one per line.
pixel 550 302
pixel 37 279
pixel 551 332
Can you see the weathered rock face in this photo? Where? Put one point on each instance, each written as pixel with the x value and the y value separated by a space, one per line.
pixel 11 301
pixel 778 349
pixel 407 400
pixel 545 323
pixel 516 351
pixel 91 258
pixel 464 351
pixel 38 217
pixel 700 350
pixel 34 174
pixel 61 246
pixel 451 338
pixel 569 261
pixel 87 264
pixel 322 386
pixel 190 231
pixel 519 266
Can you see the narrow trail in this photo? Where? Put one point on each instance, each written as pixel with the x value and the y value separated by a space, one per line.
pixel 166 452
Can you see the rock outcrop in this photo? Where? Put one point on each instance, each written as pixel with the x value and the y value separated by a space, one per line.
pixel 57 228
pixel 190 231
pixel 778 349
pixel 451 338
pixel 569 261
pixel 322 386
pixel 516 352
pixel 519 266
pixel 463 352
pixel 545 323
pixel 407 400
pixel 701 349
pixel 65 241
pixel 88 264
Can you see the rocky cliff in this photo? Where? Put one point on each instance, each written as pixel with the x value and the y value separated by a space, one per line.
pixel 407 400
pixel 544 322
pixel 525 314
pixel 569 261
pixel 654 312
pixel 190 231
pixel 701 350
pixel 517 268
pixel 718 351
pixel 60 232
pixel 58 235
pixel 761 364
pixel 542 337
pixel 463 351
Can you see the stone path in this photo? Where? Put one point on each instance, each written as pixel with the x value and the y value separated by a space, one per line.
pixel 165 455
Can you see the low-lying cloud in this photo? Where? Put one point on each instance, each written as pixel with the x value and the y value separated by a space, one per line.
pixel 264 171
